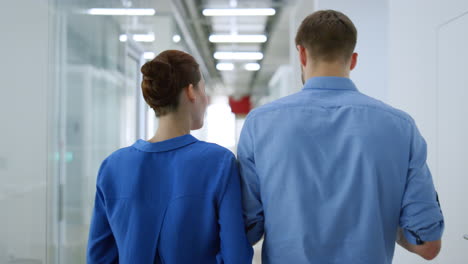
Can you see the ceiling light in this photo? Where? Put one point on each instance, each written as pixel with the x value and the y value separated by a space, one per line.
pixel 149 55
pixel 252 66
pixel 122 11
pixel 220 55
pixel 143 37
pixel 138 37
pixel 225 66
pixel 176 38
pixel 238 38
pixel 239 12
pixel 123 38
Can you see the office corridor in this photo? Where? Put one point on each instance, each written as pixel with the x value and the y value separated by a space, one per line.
pixel 71 95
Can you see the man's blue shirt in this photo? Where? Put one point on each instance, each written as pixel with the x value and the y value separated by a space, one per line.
pixel 328 174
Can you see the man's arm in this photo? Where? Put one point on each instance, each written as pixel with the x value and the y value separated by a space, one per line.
pixel 421 219
pixel 250 185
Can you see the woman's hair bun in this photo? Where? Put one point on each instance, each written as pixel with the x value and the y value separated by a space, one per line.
pixel 165 76
pixel 152 69
pixel 158 82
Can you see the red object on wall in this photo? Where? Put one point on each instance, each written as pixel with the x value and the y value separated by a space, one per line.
pixel 241 106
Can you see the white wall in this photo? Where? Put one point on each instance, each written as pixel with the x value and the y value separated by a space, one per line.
pixel 371 20
pixel 413 59
pixel 23 119
pixel 301 10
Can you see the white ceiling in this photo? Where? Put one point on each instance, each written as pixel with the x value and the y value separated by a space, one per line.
pixel 240 81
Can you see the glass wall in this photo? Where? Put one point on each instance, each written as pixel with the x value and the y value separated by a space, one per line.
pixel 98 106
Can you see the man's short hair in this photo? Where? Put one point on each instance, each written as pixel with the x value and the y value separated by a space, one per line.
pixel 328 35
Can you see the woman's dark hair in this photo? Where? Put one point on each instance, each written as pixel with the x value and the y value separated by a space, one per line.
pixel 164 78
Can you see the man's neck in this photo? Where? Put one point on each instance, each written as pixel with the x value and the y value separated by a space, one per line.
pixel 327 69
pixel 327 72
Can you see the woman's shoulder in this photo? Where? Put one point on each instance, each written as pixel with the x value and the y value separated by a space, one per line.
pixel 215 150
pixel 117 156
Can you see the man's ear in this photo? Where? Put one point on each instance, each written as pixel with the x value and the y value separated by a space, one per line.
pixel 190 92
pixel 302 55
pixel 354 58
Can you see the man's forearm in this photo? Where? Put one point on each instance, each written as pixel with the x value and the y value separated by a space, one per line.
pixel 428 250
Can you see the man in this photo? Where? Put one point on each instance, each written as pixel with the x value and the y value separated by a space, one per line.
pixel 330 175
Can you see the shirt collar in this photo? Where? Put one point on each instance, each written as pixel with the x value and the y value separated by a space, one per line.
pixel 330 83
pixel 166 145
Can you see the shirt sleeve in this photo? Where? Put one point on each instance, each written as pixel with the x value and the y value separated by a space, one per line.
pixel 250 185
pixel 235 247
pixel 102 247
pixel 421 217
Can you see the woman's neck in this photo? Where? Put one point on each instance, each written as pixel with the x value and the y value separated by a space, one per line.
pixel 170 126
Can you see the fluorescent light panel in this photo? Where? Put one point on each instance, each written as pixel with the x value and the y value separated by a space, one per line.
pixel 239 12
pixel 225 66
pixel 149 55
pixel 122 11
pixel 123 38
pixel 252 66
pixel 143 37
pixel 138 37
pixel 238 38
pixel 221 55
pixel 245 28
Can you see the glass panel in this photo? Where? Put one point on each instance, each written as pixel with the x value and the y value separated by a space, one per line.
pixel 100 118
pixel 99 107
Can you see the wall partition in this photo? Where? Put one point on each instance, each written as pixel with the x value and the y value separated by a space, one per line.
pixel 23 136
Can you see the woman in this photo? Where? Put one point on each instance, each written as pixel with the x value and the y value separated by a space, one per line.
pixel 171 199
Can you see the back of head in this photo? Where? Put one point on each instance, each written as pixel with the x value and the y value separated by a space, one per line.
pixel 164 78
pixel 328 35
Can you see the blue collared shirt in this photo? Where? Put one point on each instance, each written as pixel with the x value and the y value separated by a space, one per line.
pixel 328 174
pixel 175 201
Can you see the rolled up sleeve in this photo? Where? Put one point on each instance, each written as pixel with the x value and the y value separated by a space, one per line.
pixel 421 216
